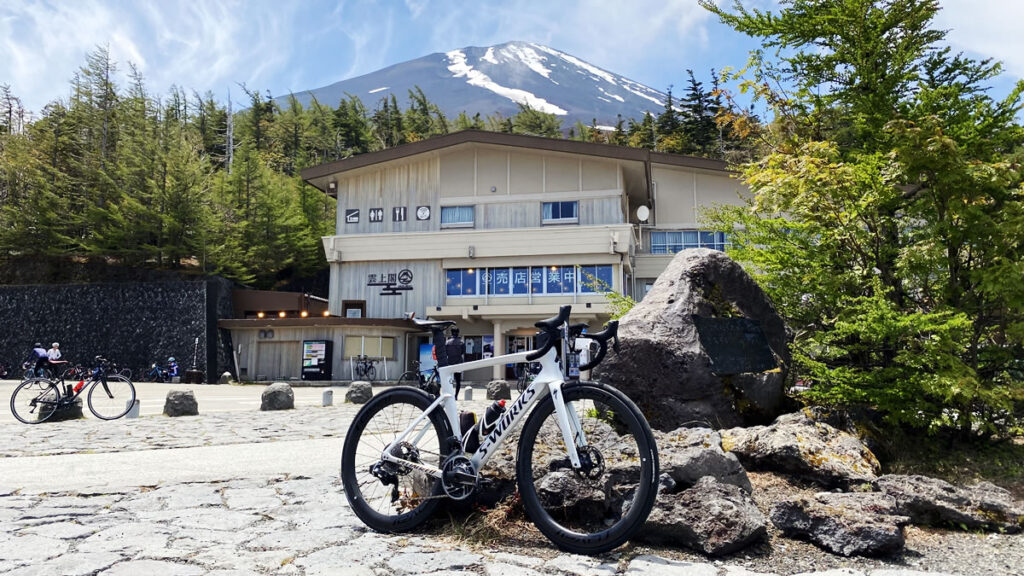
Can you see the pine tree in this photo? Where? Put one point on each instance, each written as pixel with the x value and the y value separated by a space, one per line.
pixel 698 123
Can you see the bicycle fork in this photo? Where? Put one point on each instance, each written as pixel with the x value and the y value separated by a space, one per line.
pixel 569 422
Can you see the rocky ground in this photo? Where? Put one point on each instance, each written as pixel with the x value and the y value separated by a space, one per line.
pixel 280 523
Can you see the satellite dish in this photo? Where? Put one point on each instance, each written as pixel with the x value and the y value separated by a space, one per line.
pixel 642 213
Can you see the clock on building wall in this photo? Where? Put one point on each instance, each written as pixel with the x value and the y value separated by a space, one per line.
pixel 423 212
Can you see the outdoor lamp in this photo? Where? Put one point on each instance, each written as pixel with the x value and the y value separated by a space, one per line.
pixel 280 314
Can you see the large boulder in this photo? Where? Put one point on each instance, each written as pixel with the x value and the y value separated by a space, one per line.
pixel 688 454
pixel 359 392
pixel 849 524
pixel 933 502
pixel 662 364
pixel 711 517
pixel 181 403
pixel 795 444
pixel 277 396
pixel 498 390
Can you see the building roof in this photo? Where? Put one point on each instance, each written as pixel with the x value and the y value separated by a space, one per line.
pixel 317 175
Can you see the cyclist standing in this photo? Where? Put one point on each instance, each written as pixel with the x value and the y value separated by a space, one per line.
pixel 172 368
pixel 456 349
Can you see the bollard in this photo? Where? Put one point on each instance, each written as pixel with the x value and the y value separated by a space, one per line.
pixel 328 398
pixel 133 409
pixel 469 393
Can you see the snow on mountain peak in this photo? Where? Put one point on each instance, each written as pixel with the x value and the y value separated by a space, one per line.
pixel 495 79
pixel 460 67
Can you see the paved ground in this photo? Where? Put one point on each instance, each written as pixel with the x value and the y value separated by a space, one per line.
pixel 237 491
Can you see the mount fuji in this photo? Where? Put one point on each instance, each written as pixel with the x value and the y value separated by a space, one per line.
pixel 497 79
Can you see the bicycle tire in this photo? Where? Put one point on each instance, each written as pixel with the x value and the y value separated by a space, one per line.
pixel 401 507
pixel 596 510
pixel 371 373
pixel 409 378
pixel 116 397
pixel 31 374
pixel 433 384
pixel 32 395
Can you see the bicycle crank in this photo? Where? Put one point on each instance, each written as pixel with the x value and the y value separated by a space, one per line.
pixel 458 478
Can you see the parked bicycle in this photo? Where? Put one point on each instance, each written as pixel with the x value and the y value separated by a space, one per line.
pixel 156 373
pixel 427 380
pixel 586 464
pixel 109 396
pixel 525 373
pixel 364 368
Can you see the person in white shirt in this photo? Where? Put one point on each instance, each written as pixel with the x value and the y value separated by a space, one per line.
pixel 54 352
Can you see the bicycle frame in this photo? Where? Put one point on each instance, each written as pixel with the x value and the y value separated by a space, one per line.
pixel 548 381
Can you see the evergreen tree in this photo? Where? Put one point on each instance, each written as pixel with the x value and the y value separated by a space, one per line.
pixel 536 123
pixel 892 168
pixel 642 134
pixel 698 123
pixel 354 134
pixel 464 122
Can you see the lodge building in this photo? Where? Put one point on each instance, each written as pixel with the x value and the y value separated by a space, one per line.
pixel 492 230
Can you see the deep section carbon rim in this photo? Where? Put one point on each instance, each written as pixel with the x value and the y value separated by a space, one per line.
pixel 599 506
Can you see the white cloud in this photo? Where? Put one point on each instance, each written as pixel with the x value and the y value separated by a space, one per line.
pixel 986 29
pixel 207 45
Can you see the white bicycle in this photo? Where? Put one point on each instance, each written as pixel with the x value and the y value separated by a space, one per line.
pixel 587 463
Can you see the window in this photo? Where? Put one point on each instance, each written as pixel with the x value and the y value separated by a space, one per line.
pixel 560 213
pixel 523 280
pixel 373 346
pixel 672 242
pixel 595 279
pixel 353 308
pixel 456 216
pixel 461 282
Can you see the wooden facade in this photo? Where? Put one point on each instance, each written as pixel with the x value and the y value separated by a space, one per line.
pixel 391 251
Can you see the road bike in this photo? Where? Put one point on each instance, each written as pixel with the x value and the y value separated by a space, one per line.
pixel 109 396
pixel 427 380
pixel 364 368
pixel 586 462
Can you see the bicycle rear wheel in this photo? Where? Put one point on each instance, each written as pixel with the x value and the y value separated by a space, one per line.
pixel 409 378
pixel 111 399
pixel 35 400
pixel 391 497
pixel 598 507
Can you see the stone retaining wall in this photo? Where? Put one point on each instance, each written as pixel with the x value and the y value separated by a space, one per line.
pixel 132 323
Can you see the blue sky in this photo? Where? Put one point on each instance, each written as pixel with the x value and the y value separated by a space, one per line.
pixel 289 45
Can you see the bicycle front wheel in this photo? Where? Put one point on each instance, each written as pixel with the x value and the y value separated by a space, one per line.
pixel 599 506
pixel 111 399
pixel 35 400
pixel 371 373
pixel 390 497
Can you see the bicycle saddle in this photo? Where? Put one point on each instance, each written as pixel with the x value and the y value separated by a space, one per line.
pixel 431 323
